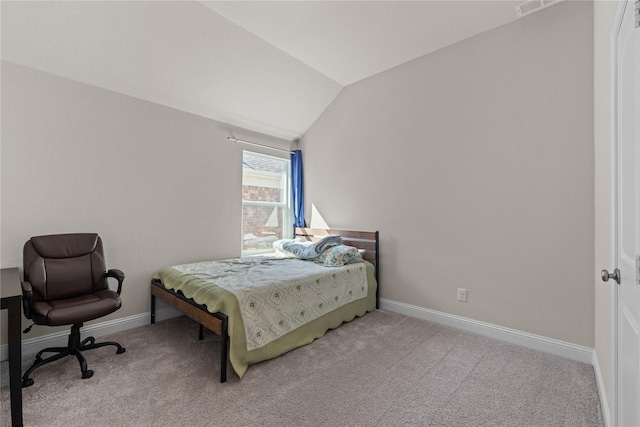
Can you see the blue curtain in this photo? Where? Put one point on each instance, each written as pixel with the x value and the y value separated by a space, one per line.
pixel 297 189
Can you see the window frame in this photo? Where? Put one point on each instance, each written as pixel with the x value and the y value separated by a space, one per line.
pixel 286 205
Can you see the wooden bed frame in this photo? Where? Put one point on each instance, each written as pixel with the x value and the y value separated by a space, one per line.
pixel 366 241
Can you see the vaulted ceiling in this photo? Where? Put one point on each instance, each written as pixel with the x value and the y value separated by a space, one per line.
pixel 271 67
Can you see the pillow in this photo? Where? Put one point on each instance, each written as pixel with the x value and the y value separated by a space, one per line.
pixel 339 255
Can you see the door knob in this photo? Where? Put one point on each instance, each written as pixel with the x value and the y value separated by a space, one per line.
pixel 615 276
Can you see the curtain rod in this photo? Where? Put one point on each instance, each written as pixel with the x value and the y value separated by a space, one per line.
pixel 230 138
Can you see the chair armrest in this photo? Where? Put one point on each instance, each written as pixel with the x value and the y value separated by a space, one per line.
pixel 118 275
pixel 27 298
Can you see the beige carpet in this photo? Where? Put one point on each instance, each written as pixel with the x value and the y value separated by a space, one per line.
pixel 383 369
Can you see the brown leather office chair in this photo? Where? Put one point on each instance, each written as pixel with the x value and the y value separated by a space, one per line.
pixel 65 283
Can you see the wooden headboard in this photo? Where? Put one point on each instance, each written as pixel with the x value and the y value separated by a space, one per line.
pixel 367 241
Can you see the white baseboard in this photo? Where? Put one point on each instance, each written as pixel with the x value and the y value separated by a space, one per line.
pixel 57 339
pixel 549 345
pixel 536 342
pixel 602 392
pixel 525 339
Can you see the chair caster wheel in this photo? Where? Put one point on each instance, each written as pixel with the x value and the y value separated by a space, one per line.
pixel 27 382
pixel 87 374
pixel 121 350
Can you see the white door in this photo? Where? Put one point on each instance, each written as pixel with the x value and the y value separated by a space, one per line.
pixel 628 218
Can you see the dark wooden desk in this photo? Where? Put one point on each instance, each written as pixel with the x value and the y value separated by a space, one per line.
pixel 11 297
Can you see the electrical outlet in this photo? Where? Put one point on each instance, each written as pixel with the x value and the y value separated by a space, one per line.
pixel 462 295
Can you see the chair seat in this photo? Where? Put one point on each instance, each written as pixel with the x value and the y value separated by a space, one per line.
pixel 76 310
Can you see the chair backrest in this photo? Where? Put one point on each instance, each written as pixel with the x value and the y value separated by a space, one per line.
pixel 64 266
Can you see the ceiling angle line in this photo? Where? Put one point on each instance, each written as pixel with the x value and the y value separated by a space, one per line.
pixel 230 138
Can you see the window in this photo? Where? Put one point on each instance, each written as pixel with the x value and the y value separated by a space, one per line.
pixel 266 207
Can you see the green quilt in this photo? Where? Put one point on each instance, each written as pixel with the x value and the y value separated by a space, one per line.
pixel 274 304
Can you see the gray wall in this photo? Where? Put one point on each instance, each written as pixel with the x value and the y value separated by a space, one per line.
pixel 161 186
pixel 476 165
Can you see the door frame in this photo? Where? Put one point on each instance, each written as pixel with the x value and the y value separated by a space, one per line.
pixel 614 68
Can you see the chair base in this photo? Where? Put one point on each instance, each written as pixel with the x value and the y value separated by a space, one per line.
pixel 74 347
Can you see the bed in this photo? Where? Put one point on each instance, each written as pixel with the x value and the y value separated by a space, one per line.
pixel 243 300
